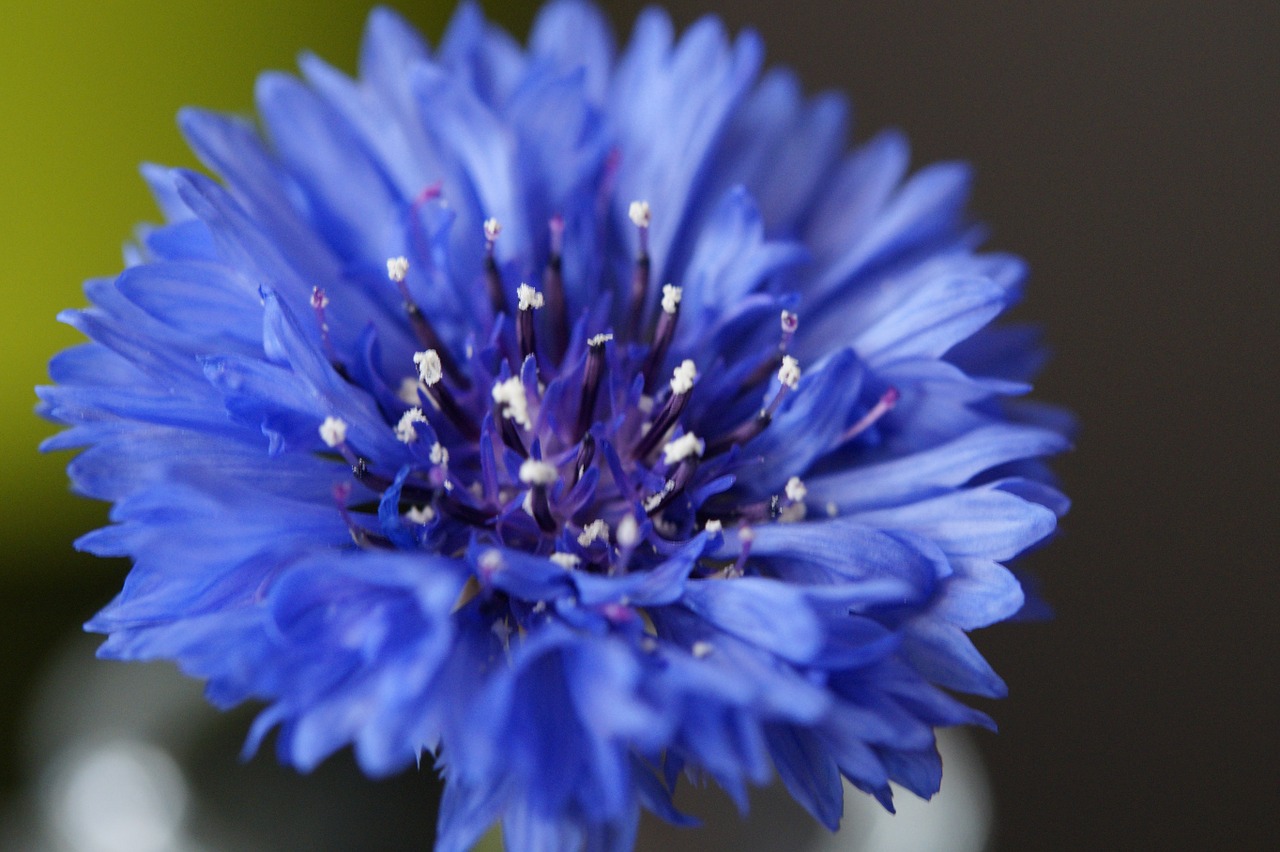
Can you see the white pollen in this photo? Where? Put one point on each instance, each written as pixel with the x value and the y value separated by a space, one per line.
pixel 534 472
pixel 681 448
pixel 684 376
pixel 540 607
pixel 408 392
pixel 671 295
pixel 429 369
pixel 746 535
pixel 490 561
pixel 832 509
pixel 701 649
pixel 795 489
pixel 405 430
pixel 789 372
pixel 600 340
pixel 597 529
pixel 333 431
pixel 639 213
pixel 515 404
pixel 567 561
pixel 397 268
pixel 530 299
pixel 439 455
pixel 651 502
pixel 420 516
pixel 628 533
pixel 319 299
pixel 790 322
pixel 492 227
pixel 713 526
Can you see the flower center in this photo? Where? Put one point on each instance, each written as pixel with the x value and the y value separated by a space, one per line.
pixel 554 442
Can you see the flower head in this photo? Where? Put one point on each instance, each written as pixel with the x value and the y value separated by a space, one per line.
pixel 567 540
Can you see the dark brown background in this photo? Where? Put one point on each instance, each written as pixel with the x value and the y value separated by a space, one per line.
pixel 1128 151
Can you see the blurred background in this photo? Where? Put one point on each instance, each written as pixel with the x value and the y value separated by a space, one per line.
pixel 1127 150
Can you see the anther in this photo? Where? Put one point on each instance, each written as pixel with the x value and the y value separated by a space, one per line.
pixel 596 530
pixel 492 276
pixel 333 431
pixel 538 475
pixel 640 217
pixel 530 301
pixel 553 286
pixel 663 334
pixel 406 431
pixel 682 380
pixel 882 407
pixel 676 484
pixel 591 376
pixel 682 448
pixel 792 507
pixel 513 409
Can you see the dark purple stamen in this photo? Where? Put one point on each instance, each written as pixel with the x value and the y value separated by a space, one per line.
pixel 662 423
pixel 542 509
pixel 662 337
pixel 591 376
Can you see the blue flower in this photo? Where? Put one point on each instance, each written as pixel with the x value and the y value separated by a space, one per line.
pixel 576 418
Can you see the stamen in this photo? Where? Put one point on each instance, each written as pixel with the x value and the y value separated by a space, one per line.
pixel 628 533
pixel 398 272
pixel 673 486
pixel 439 455
pixel 793 508
pixel 566 561
pixel 700 649
pixel 405 429
pixel 682 380
pixel 333 431
pixel 640 217
pixel 596 530
pixel 538 475
pixel 510 394
pixel 430 373
pixel 663 334
pixel 553 286
pixel 530 300
pixel 514 408
pixel 420 515
pixel 886 403
pixel 788 378
pixel 492 276
pixel 795 490
pixel 591 376
pixel 682 448
pixel 430 369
